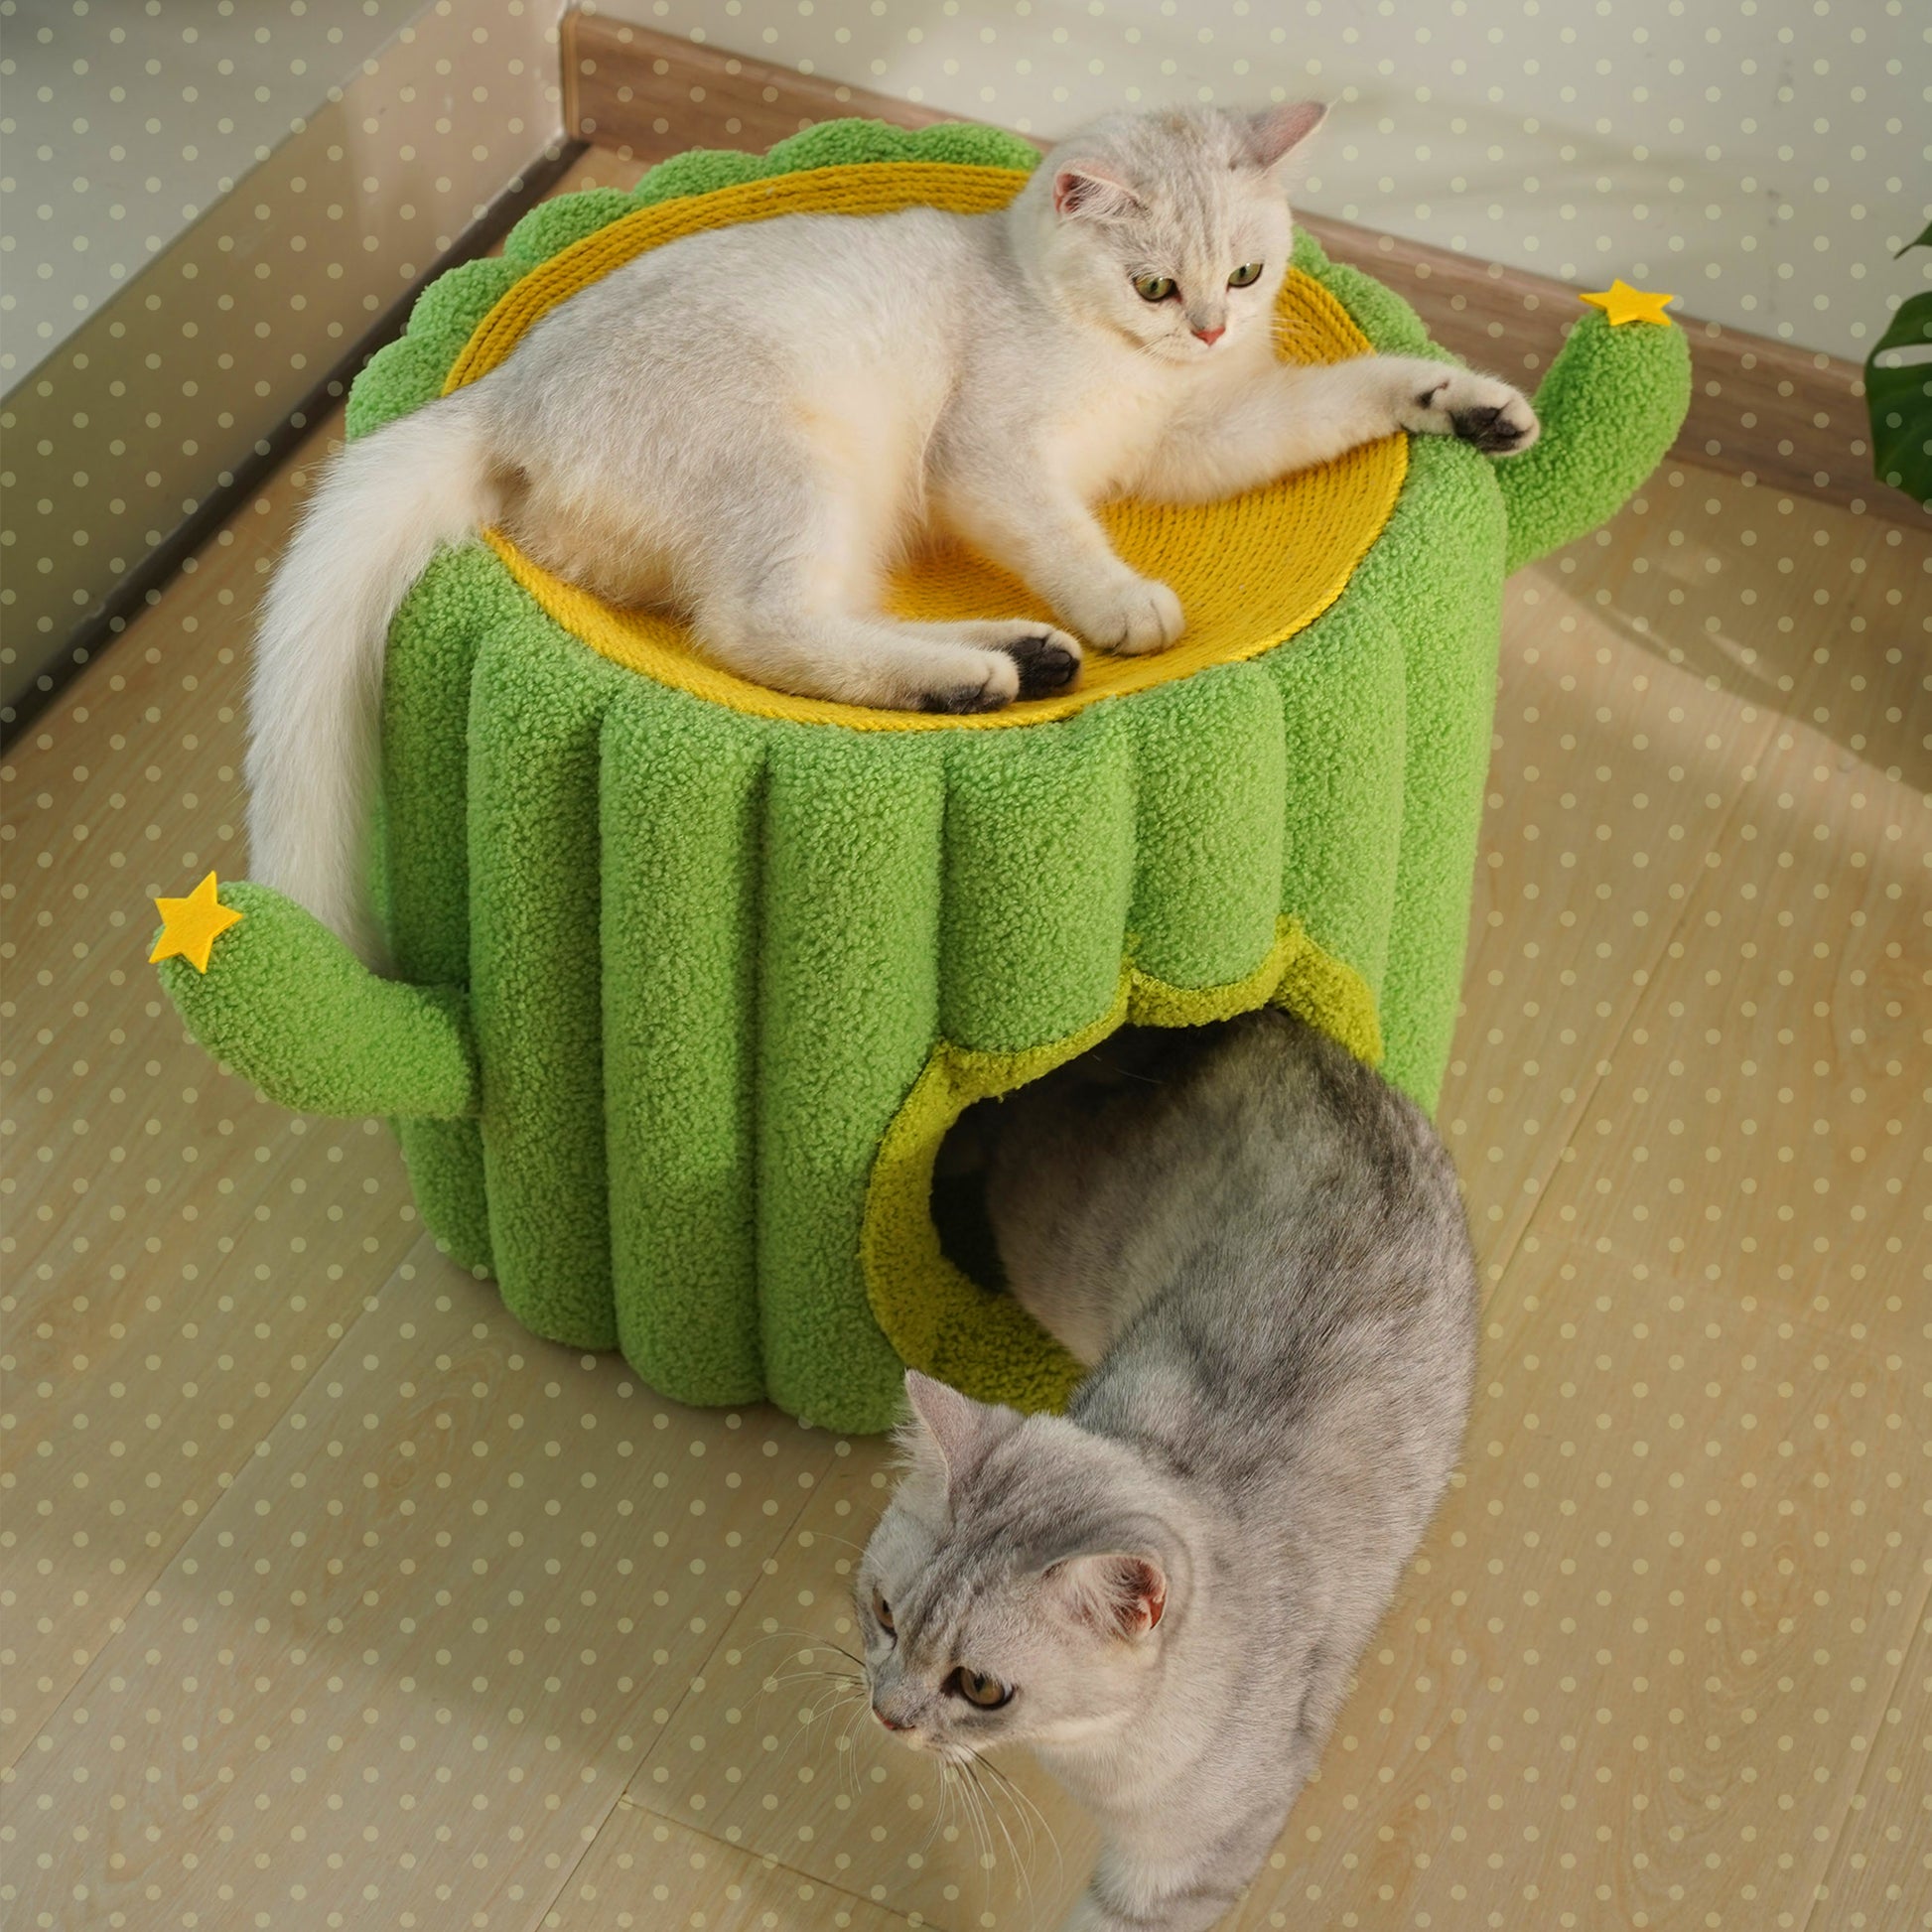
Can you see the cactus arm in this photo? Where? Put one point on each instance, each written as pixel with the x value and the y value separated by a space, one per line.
pixel 1610 405
pixel 287 1005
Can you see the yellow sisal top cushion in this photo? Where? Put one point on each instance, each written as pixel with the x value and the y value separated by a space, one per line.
pixel 1249 572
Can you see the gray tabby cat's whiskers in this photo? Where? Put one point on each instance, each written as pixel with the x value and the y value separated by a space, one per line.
pixel 1029 1814
pixel 838 1690
pixel 1166 1591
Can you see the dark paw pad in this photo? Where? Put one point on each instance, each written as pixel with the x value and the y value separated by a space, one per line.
pixel 1487 430
pixel 962 700
pixel 1045 665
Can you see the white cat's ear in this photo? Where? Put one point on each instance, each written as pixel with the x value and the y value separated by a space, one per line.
pixel 1091 191
pixel 1121 1593
pixel 958 1428
pixel 1277 131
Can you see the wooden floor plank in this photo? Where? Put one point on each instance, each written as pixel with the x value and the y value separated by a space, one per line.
pixel 644 1872
pixel 1880 1873
pixel 139 1397
pixel 1768 1139
pixel 1647 1629
pixel 178 1253
pixel 771 1754
pixel 1646 683
pixel 414 1650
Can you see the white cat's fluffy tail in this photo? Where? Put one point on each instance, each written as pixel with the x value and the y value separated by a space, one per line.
pixel 381 510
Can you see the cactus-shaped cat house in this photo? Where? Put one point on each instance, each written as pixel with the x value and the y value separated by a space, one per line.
pixel 695 976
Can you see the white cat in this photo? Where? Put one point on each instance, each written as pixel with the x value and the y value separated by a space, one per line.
pixel 751 425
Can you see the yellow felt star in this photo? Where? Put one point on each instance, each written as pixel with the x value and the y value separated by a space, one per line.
pixel 1621 303
pixel 189 926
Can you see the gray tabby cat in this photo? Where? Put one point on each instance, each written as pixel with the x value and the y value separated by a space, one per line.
pixel 1164 1592
pixel 750 426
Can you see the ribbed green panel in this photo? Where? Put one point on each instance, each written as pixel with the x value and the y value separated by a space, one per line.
pixel 847 1017
pixel 1207 830
pixel 1438 571
pixel 459 600
pixel 432 655
pixel 1039 870
pixel 682 787
pixel 1343 711
pixel 444 1158
pixel 536 706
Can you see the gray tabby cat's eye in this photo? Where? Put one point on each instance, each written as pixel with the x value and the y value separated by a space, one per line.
pixel 1154 288
pixel 1248 272
pixel 883 1610
pixel 976 1688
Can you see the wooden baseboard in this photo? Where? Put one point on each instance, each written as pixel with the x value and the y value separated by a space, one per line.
pixel 1784 418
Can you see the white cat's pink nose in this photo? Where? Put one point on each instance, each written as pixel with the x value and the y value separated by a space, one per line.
pixel 1211 335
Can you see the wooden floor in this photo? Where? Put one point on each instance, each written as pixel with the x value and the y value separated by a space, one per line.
pixel 331 1598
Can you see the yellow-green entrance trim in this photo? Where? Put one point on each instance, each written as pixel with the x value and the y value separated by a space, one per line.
pixel 939 1320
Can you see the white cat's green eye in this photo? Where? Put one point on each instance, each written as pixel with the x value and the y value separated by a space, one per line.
pixel 976 1688
pixel 883 1610
pixel 1154 288
pixel 1247 273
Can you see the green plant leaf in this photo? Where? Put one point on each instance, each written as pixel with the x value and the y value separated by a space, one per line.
pixel 1898 400
pixel 1923 240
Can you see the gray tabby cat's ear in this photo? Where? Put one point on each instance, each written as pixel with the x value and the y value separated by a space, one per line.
pixel 1120 1593
pixel 1090 191
pixel 958 1428
pixel 1277 131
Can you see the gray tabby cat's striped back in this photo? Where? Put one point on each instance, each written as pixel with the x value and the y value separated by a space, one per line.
pixel 1260 1220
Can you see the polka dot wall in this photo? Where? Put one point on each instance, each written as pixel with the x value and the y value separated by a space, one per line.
pixel 329 1597
pixel 205 205
pixel 1766 158
pixel 123 124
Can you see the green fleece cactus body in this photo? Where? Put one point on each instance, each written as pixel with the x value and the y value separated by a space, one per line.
pixel 689 995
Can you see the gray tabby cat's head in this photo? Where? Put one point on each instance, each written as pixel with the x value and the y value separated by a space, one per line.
pixel 1021 1585
pixel 1171 229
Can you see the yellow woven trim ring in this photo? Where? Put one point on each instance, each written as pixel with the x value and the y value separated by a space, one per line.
pixel 1249 572
pixel 937 1318
pixel 853 187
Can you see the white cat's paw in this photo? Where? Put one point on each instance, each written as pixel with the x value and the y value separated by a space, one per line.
pixel 1130 615
pixel 962 682
pixel 1479 410
pixel 1048 660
